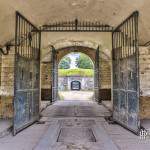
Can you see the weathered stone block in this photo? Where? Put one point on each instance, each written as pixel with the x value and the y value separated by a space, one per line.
pixel 6 107
pixel 145 107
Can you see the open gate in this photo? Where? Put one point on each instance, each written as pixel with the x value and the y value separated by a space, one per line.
pixel 96 75
pixel 54 74
pixel 27 74
pixel 125 55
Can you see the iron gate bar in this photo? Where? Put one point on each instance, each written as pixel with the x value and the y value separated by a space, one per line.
pixel 76 26
pixel 26 20
pixel 125 55
pixel 27 74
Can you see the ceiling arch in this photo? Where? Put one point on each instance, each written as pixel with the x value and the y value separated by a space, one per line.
pixel 111 12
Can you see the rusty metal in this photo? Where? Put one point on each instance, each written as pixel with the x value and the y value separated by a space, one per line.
pixel 146 44
pixel 27 74
pixel 6 47
pixel 4 52
pixel 125 55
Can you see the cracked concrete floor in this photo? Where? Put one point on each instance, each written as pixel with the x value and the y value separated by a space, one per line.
pixel 74 125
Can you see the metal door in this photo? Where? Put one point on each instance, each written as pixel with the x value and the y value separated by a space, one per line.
pixel 96 76
pixel 125 55
pixel 54 74
pixel 27 74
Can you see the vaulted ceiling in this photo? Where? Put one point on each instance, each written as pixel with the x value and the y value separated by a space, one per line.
pixel 40 12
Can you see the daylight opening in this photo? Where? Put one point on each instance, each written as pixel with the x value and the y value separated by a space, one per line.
pixel 76 77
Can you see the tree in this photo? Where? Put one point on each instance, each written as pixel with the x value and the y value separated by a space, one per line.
pixel 65 63
pixel 84 62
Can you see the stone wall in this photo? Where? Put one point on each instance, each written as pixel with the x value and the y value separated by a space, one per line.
pixel 46 75
pixel 144 61
pixel 7 85
pixel 105 74
pixel 46 81
pixel 64 83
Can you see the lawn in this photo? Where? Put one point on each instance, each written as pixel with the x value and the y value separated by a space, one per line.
pixel 76 72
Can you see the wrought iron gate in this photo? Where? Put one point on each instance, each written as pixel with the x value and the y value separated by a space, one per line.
pixel 54 74
pixel 96 74
pixel 125 55
pixel 27 74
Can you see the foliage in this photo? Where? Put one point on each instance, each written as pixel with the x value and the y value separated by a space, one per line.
pixel 84 62
pixel 76 72
pixel 65 63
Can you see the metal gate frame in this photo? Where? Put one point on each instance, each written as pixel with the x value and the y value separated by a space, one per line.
pixel 27 74
pixel 125 59
pixel 97 76
pixel 54 74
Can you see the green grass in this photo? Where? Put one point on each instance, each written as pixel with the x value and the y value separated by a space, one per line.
pixel 76 72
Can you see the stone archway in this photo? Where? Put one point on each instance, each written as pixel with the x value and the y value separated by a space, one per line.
pixel 63 47
pixel 85 50
pixel 61 52
pixel 63 44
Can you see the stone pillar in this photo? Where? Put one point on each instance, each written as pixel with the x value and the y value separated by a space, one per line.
pixel 105 74
pixel 105 79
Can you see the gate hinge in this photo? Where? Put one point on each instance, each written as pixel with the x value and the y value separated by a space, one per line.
pixel 6 48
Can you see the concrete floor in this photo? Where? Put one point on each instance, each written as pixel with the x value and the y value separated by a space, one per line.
pixel 74 125
pixel 5 125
